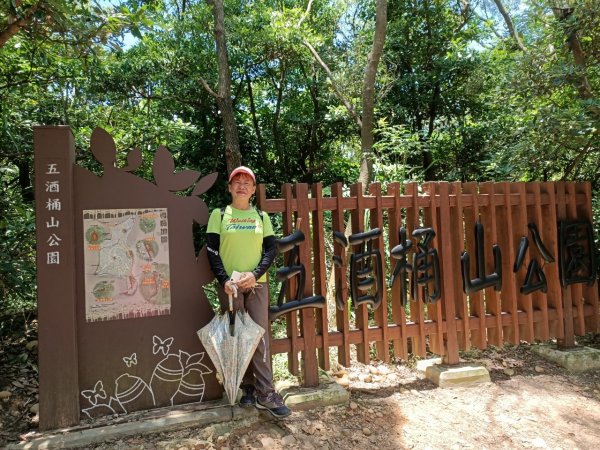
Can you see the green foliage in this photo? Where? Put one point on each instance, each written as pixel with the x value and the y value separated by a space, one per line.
pixel 17 246
pixel 454 101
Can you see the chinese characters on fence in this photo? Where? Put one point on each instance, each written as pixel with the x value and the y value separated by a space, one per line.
pixel 293 270
pixel 576 260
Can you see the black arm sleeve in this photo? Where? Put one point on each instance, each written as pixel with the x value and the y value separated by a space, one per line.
pixel 268 256
pixel 213 242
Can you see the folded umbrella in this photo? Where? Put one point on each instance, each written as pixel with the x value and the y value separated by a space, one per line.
pixel 230 340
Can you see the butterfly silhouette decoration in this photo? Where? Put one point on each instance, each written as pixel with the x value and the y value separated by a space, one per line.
pixel 94 394
pixel 130 360
pixel 160 345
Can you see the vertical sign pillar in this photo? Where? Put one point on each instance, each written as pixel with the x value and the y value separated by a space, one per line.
pixel 57 333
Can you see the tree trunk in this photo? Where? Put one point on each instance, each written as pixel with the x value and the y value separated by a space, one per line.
pixel 223 97
pixel 368 94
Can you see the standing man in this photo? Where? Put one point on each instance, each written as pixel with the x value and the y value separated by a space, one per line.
pixel 240 238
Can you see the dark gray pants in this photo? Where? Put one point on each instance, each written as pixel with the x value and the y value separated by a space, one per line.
pixel 256 302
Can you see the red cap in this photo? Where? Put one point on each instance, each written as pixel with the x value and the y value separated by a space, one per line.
pixel 244 170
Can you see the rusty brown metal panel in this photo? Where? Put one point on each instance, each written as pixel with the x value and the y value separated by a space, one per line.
pixel 136 363
pixel 57 328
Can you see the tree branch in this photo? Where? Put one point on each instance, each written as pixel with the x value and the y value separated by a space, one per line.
pixel 305 15
pixel 208 89
pixel 338 93
pixel 16 26
pixel 510 25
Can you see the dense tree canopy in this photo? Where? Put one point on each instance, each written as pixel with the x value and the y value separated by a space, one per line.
pixel 465 90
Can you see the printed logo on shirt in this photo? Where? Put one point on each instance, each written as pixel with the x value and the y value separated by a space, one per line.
pixel 241 224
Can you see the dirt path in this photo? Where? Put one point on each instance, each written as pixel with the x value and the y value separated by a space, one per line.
pixel 530 403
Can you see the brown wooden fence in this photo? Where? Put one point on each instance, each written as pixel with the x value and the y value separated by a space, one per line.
pixel 456 321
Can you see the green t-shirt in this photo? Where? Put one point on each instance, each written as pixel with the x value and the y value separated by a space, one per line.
pixel 241 237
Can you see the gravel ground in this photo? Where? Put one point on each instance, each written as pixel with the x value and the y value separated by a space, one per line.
pixel 529 403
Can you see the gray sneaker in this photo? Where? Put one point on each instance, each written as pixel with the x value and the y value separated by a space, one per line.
pixel 273 403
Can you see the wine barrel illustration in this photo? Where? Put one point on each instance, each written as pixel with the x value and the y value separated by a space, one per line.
pixel 166 379
pixel 133 393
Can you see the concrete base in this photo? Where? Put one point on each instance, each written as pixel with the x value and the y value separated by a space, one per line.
pixel 327 393
pixel 578 359
pixel 217 414
pixel 446 376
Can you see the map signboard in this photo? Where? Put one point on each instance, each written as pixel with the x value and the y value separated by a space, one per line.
pixel 126 256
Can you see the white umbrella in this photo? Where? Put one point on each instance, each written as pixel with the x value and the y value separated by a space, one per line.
pixel 230 341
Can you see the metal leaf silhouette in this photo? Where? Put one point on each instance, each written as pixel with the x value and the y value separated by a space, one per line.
pixel 134 160
pixel 103 148
pixel 164 172
pixel 205 183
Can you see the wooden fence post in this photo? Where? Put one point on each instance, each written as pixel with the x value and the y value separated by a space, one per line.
pixel 55 233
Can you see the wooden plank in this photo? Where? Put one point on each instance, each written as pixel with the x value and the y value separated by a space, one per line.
pixel 417 313
pixel 329 204
pixel 449 281
pixel 434 310
pixel 291 318
pixel 493 301
pixel 520 229
pixel 342 318
pixel 361 312
pixel 307 315
pixel 590 293
pixel 477 309
pixel 458 245
pixel 568 341
pixel 320 273
pixel 380 314
pixel 549 234
pixel 540 300
pixel 510 288
pixel 576 289
pixel 398 313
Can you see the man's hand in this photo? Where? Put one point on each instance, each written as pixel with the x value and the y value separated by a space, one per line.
pixel 247 280
pixel 230 288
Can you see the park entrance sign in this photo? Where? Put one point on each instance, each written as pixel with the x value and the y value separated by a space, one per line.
pixel 438 267
pixel 120 293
